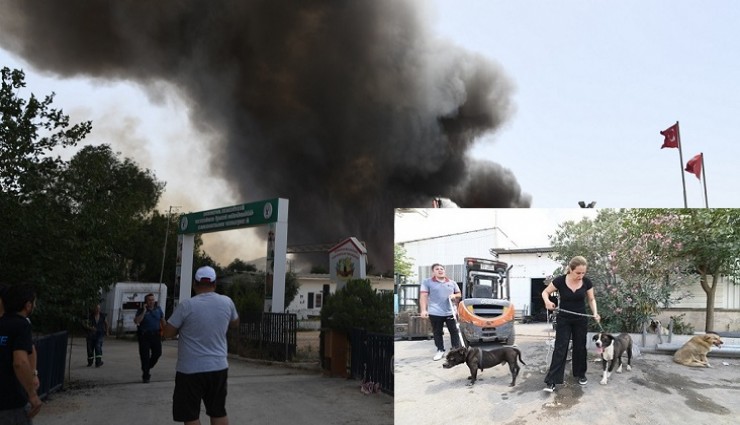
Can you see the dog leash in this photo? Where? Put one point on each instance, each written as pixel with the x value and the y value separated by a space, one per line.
pixel 558 309
pixel 457 323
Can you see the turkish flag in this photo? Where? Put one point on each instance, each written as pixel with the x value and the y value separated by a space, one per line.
pixel 694 166
pixel 671 137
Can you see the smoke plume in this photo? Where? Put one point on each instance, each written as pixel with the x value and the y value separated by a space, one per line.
pixel 346 108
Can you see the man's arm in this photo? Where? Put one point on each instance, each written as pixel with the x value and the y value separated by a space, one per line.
pixel 140 316
pixel 424 304
pixel 169 331
pixel 234 324
pixel 32 359
pixel 25 375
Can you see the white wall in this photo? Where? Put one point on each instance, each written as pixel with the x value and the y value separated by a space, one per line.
pixel 526 267
pixel 451 249
pixel 727 295
pixel 314 284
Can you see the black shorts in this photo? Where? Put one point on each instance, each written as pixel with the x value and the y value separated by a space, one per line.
pixel 191 388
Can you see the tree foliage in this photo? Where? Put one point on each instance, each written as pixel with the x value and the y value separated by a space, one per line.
pixel 402 263
pixel 247 290
pixel 709 241
pixel 358 305
pixel 30 130
pixel 72 227
pixel 634 263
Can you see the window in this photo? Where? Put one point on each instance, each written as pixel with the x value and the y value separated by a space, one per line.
pixel 310 300
pixel 318 300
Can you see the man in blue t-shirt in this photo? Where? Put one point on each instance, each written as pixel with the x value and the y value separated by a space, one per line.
pixel 436 296
pixel 150 320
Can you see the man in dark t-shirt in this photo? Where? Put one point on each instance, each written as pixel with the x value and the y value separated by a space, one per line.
pixel 18 399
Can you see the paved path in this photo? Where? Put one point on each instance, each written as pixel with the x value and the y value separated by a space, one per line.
pixel 657 391
pixel 258 393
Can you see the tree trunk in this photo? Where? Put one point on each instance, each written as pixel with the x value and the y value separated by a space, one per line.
pixel 710 291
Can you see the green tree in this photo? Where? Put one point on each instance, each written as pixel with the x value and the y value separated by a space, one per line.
pixel 402 263
pixel 39 245
pixel 632 262
pixel 247 290
pixel 108 201
pixel 111 199
pixel 72 228
pixel 30 130
pixel 710 243
pixel 358 305
pixel 240 266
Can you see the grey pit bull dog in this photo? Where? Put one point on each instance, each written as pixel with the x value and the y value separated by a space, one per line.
pixel 477 358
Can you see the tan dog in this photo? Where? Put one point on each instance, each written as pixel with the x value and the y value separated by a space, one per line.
pixel 694 352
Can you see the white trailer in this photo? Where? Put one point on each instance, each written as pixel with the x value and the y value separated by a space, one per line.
pixel 122 300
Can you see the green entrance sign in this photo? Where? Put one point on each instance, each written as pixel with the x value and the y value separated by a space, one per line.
pixel 228 218
pixel 272 212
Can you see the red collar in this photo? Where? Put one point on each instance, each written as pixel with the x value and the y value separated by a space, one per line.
pixel 434 278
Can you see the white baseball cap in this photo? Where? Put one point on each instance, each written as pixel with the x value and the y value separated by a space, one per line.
pixel 205 272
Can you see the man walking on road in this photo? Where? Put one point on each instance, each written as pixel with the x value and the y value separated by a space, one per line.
pixel 202 367
pixel 150 320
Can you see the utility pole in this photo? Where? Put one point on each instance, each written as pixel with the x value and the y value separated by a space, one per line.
pixel 166 234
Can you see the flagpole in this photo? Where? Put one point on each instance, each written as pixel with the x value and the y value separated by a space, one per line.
pixel 704 179
pixel 680 160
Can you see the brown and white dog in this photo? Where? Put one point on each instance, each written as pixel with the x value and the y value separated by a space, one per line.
pixel 611 350
pixel 694 352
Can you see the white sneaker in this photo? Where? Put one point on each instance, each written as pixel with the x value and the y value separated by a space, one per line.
pixel 439 355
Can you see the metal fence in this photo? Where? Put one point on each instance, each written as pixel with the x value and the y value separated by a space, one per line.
pixel 372 359
pixel 271 336
pixel 51 351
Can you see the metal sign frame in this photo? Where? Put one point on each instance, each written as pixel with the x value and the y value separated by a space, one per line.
pixel 270 212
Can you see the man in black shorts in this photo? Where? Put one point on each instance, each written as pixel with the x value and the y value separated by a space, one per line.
pixel 202 368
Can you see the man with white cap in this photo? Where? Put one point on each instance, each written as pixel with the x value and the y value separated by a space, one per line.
pixel 202 368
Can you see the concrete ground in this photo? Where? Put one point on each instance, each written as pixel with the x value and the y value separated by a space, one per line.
pixel 258 393
pixel 657 391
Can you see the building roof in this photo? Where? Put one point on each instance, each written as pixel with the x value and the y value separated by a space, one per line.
pixel 359 246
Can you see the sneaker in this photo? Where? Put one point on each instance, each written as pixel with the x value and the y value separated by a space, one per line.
pixel 583 380
pixel 98 364
pixel 439 355
pixel 549 388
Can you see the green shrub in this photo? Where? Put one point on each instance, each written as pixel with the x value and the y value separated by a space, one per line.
pixel 358 305
pixel 680 327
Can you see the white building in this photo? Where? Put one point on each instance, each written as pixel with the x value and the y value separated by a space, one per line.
pixel 310 298
pixel 530 267
pixel 527 276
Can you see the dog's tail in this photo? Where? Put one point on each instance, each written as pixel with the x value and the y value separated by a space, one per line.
pixel 519 355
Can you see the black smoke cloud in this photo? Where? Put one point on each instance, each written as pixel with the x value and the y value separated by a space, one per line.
pixel 346 108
